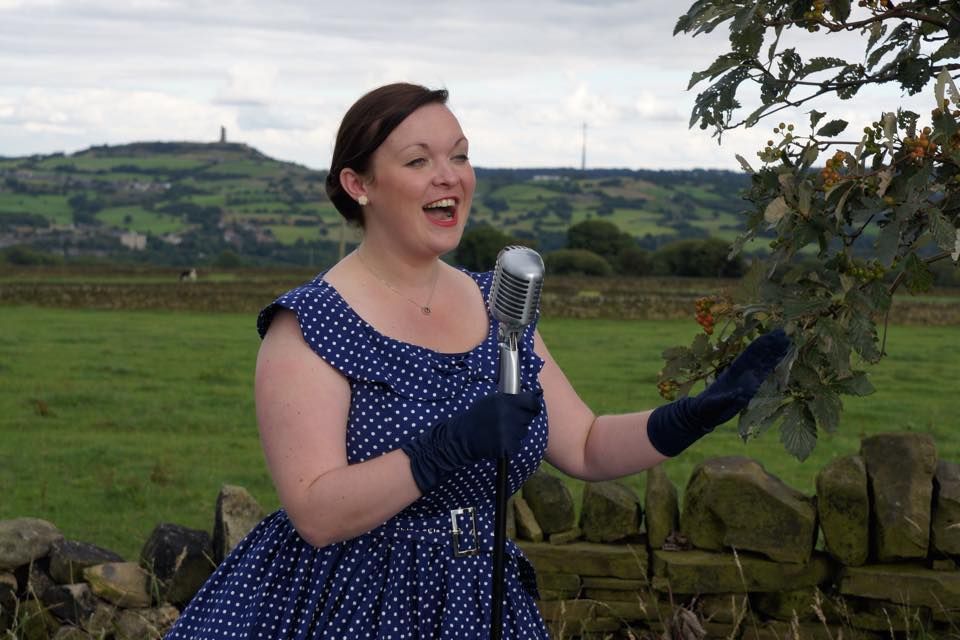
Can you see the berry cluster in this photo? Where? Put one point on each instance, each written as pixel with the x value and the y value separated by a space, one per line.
pixel 814 15
pixel 875 5
pixel 831 173
pixel 705 316
pixel 668 389
pixel 920 147
pixel 866 271
pixel 771 153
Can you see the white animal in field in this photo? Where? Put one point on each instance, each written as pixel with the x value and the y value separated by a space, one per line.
pixel 188 275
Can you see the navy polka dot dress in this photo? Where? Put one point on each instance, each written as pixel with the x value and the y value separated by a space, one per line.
pixel 427 572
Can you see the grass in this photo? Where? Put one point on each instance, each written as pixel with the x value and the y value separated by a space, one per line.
pixel 115 421
pixel 51 206
pixel 141 220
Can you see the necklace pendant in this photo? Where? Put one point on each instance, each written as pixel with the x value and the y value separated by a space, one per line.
pixel 425 310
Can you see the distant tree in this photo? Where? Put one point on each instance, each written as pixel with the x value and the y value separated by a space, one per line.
pixel 479 247
pixel 228 259
pixel 576 262
pixel 634 261
pixel 697 258
pixel 22 255
pixel 883 206
pixel 599 236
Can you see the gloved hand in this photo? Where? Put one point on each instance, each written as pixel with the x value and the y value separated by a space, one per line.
pixel 494 426
pixel 675 426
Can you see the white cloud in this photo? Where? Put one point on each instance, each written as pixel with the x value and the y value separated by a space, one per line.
pixel 523 76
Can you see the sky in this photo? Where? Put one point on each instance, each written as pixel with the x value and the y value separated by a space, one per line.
pixel 523 75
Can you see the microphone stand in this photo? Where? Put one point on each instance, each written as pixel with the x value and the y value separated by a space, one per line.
pixel 509 383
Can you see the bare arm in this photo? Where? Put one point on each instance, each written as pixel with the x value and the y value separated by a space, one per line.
pixel 302 407
pixel 584 445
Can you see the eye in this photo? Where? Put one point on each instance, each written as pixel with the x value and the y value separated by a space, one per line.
pixel 417 162
pixel 461 158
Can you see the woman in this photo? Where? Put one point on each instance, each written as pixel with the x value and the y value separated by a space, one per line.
pixel 383 449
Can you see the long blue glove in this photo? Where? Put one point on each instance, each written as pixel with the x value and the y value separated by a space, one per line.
pixel 675 426
pixel 494 426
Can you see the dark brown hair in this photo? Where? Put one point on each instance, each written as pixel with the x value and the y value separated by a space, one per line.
pixel 364 128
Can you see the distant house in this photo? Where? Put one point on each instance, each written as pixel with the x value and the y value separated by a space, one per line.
pixel 133 240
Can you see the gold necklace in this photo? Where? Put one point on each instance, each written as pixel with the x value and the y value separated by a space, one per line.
pixel 425 307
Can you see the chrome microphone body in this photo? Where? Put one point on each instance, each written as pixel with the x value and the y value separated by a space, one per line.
pixel 514 298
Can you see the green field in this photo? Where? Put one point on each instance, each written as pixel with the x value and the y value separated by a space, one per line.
pixel 114 421
pixel 141 220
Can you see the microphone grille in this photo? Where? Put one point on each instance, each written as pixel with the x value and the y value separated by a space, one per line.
pixel 517 283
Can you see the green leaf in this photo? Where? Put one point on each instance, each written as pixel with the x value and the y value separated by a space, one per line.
pixel 776 209
pixel 720 65
pixel 832 128
pixel 917 275
pixel 764 409
pixel 826 407
pixel 839 9
pixel 798 431
pixel 949 50
pixel 944 233
pixel 888 241
pixel 856 385
pixel 877 29
pixel 875 57
pixel 743 163
pixel 820 63
pixel 815 117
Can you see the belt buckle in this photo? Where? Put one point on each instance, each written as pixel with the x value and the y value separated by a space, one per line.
pixel 457 531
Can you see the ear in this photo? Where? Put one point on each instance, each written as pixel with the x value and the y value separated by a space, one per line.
pixel 353 183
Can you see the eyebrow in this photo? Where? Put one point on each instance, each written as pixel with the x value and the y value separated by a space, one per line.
pixel 424 145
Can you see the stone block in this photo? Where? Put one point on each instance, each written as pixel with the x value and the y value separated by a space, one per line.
pixel 178 560
pixel 589 559
pixel 551 502
pixel 900 469
pixel 236 514
pixel 527 526
pixel 145 624
pixel 843 505
pixel 706 572
pixel 566 537
pixel 610 512
pixel 725 608
pixel 662 507
pixel 732 502
pixel 801 604
pixel 560 586
pixel 71 603
pixel 24 540
pixel 909 584
pixel 945 527
pixel 121 583
pixel 68 559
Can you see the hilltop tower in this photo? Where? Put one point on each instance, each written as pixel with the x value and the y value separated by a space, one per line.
pixel 223 134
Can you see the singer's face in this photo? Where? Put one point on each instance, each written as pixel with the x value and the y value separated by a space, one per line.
pixel 421 184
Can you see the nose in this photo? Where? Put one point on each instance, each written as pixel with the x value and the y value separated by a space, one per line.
pixel 446 174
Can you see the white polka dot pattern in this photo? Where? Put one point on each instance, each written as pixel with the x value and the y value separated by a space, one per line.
pixel 401 580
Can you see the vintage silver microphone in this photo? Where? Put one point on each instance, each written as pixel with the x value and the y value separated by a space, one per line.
pixel 514 298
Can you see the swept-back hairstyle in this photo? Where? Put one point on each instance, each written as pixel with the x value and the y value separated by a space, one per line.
pixel 364 128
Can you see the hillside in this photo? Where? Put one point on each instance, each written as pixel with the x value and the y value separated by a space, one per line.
pixel 178 203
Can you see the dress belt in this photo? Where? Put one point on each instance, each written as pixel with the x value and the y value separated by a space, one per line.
pixel 465 531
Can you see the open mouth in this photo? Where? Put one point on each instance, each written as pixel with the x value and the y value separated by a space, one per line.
pixel 441 211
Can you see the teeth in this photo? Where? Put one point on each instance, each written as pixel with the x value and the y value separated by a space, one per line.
pixel 446 202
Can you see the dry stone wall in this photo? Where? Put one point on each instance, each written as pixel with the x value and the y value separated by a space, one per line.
pixel 872 555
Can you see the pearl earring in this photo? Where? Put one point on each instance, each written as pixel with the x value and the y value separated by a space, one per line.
pixel 362 201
